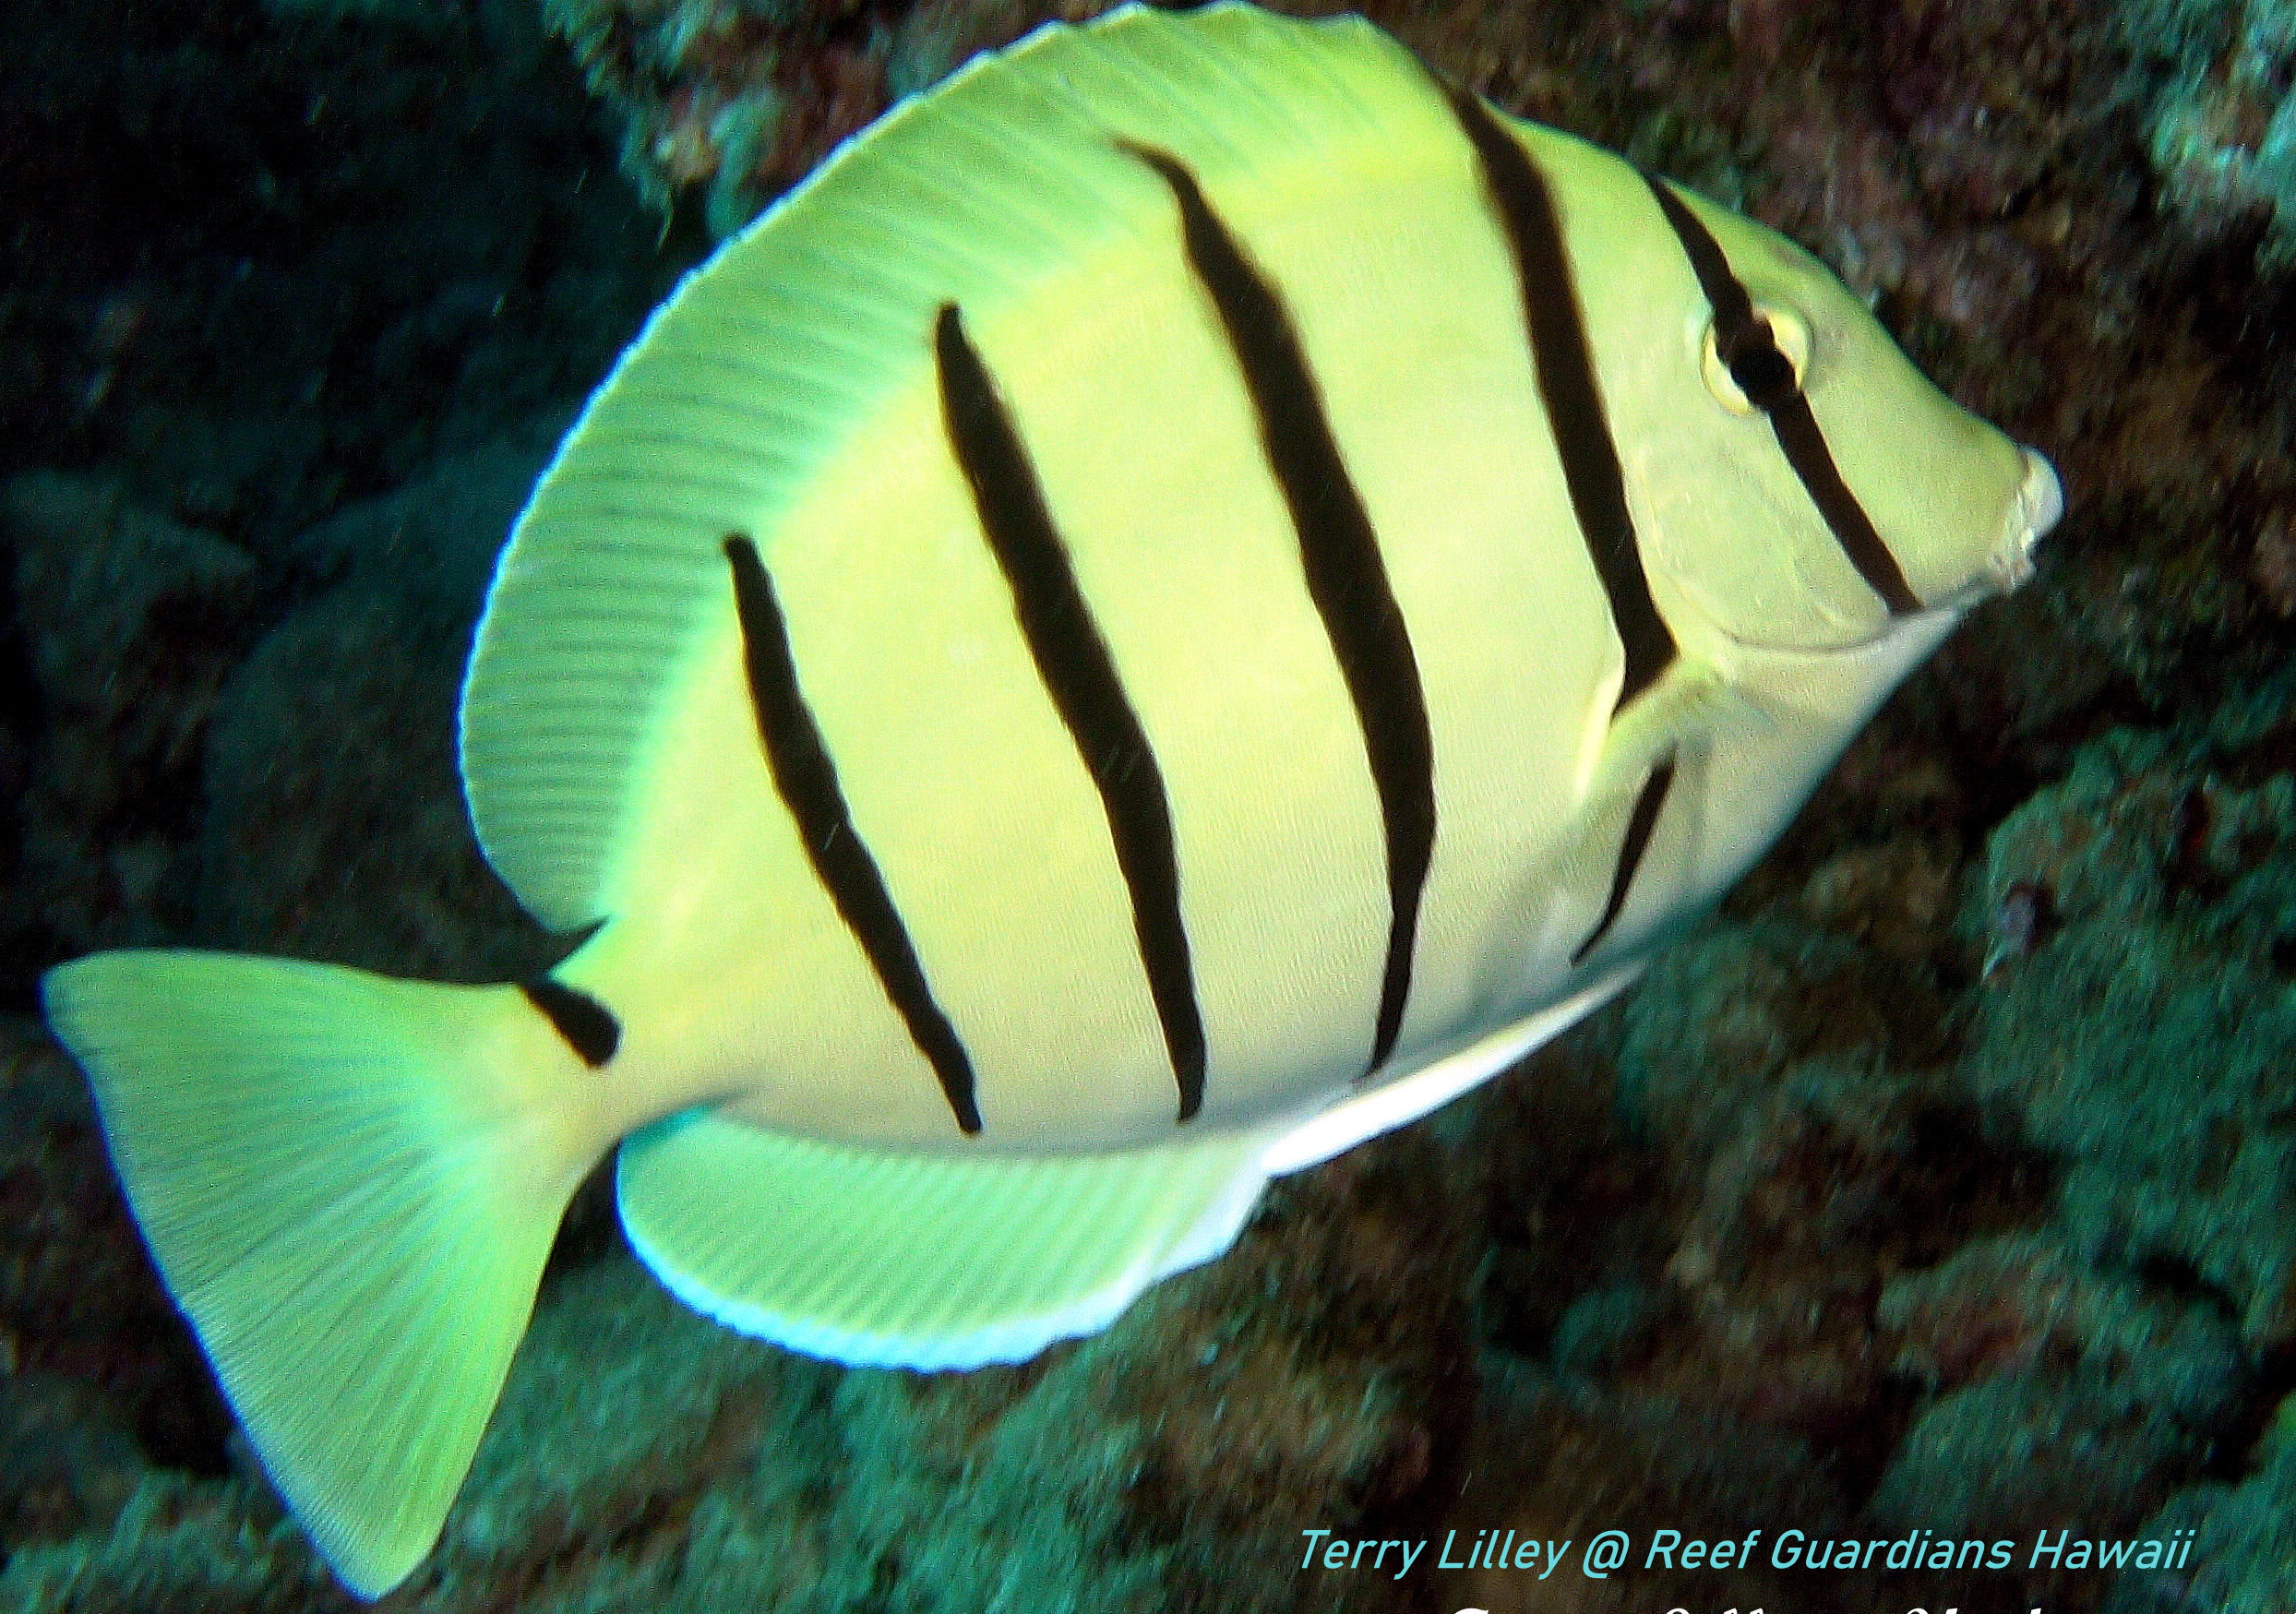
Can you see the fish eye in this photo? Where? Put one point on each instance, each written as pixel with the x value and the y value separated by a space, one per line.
pixel 1764 365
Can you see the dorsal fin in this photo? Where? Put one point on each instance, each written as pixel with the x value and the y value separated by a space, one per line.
pixel 768 356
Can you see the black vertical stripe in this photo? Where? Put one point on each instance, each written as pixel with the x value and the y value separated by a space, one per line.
pixel 1639 824
pixel 586 1025
pixel 1346 576
pixel 1525 206
pixel 1074 661
pixel 806 779
pixel 1766 377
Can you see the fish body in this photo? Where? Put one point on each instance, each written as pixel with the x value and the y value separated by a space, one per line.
pixel 1191 595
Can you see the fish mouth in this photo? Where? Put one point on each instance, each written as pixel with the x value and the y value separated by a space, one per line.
pixel 2039 503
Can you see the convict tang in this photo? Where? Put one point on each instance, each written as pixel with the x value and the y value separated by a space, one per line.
pixel 1192 594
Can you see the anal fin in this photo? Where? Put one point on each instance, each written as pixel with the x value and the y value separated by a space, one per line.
pixel 940 1260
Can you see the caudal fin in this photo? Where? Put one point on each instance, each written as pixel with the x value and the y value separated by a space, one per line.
pixel 350 1184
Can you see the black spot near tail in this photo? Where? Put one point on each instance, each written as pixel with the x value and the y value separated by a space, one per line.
pixel 587 1025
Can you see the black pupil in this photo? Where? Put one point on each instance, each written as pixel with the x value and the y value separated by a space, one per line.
pixel 1764 375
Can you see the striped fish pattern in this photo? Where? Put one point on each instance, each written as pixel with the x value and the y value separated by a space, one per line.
pixel 1193 594
pixel 1342 568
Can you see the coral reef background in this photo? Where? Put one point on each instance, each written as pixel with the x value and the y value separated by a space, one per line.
pixel 1944 1181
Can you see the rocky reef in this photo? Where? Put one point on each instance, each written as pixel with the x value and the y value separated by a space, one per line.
pixel 1939 1188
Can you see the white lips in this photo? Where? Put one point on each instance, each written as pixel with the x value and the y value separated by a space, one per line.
pixel 2039 504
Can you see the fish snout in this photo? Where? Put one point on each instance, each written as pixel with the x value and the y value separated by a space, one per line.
pixel 2039 503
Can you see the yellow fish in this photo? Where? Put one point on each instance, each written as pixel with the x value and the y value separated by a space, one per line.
pixel 1193 594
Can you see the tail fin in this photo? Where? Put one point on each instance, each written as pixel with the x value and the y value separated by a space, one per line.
pixel 350 1184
